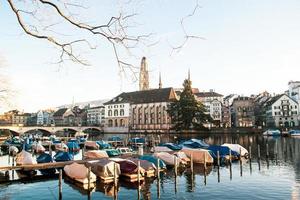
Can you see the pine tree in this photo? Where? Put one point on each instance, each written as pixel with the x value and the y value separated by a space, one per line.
pixel 187 113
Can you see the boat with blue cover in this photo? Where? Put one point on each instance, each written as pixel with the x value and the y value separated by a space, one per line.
pixel 46 158
pixel 62 156
pixel 294 133
pixel 112 152
pixel 115 141
pixel 171 146
pixel 223 152
pixel 136 141
pixel 153 160
pixel 195 144
pixel 73 146
pixel 103 145
pixel 272 132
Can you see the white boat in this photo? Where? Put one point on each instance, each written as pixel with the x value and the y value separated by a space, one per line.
pixel 13 151
pixel 272 132
pixel 237 148
pixel 95 154
pixel 79 173
pixel 125 150
pixel 199 155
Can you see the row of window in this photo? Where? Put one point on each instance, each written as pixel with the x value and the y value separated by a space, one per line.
pixel 280 107
pixel 285 113
pixel 115 106
pixel 116 112
pixel 116 123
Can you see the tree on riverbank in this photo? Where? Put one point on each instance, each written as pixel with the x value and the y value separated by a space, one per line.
pixel 187 113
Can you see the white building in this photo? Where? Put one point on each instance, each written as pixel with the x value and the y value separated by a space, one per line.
pixel 43 118
pixel 117 114
pixel 282 111
pixel 213 104
pixel 96 116
pixel 294 90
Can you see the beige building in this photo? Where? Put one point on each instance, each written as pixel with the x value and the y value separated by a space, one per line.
pixel 139 111
pixel 243 112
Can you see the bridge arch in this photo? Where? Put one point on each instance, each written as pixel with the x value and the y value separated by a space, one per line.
pixel 44 131
pixel 65 131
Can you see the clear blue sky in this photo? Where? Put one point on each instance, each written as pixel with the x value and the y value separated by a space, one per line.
pixel 250 46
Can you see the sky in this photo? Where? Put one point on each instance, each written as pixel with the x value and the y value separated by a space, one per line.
pixel 248 47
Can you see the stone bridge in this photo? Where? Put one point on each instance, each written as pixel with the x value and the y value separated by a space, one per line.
pixel 49 129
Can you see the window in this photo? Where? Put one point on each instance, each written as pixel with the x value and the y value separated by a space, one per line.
pixel 122 123
pixel 122 112
pixel 110 123
pixel 116 123
pixel 110 113
pixel 115 112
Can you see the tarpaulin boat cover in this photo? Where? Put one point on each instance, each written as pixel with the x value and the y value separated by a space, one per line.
pixel 195 143
pixel 112 152
pixel 169 159
pixel 104 167
pixel 24 158
pixel 95 154
pixel 171 146
pixel 223 150
pixel 44 158
pixel 237 148
pixel 153 159
pixel 73 146
pixel 39 148
pixel 182 156
pixel 62 156
pixel 91 145
pixel 13 150
pixel 199 155
pixel 79 172
pixel 126 166
pixel 162 149
pixel 103 145
pixel 146 165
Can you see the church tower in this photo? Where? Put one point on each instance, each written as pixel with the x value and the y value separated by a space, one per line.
pixel 160 83
pixel 144 75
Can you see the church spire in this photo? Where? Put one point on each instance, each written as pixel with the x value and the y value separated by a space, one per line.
pixel 189 75
pixel 144 76
pixel 160 83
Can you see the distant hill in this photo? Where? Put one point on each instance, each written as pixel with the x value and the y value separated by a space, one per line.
pixel 94 103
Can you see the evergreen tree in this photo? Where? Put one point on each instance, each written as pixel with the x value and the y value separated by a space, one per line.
pixel 187 113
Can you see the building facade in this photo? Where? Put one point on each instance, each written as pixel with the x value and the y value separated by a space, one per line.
pixel 242 112
pixel 213 104
pixel 282 111
pixel 96 116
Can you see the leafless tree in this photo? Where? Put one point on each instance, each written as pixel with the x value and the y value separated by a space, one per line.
pixel 30 15
pixel 116 30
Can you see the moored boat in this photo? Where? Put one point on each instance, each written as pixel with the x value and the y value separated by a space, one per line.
pixel 199 155
pixel 172 146
pixel 272 132
pixel 224 153
pixel 112 152
pixel 46 158
pixel 79 173
pixel 73 146
pixel 237 148
pixel 13 150
pixel 105 169
pixel 169 159
pixel 195 144
pixel 62 156
pixel 25 158
pixel 154 160
pixel 94 154
pixel 294 133
pixel 61 147
pixel 92 145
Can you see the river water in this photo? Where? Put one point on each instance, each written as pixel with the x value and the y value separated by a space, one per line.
pixel 275 177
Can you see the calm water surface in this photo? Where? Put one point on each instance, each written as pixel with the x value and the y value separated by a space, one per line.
pixel 277 177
